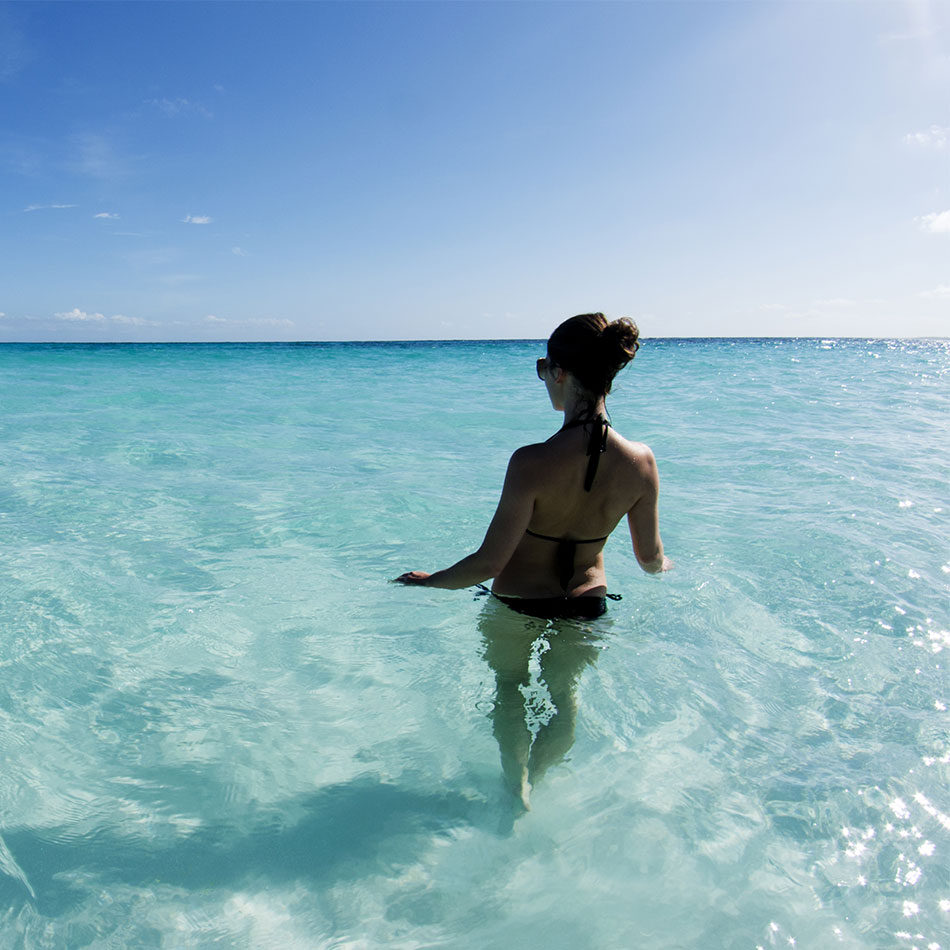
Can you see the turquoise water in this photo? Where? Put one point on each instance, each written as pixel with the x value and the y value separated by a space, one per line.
pixel 220 726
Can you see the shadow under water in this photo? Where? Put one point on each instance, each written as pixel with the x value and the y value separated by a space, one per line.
pixel 341 832
pixel 338 833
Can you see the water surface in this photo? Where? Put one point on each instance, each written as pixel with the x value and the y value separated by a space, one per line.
pixel 220 726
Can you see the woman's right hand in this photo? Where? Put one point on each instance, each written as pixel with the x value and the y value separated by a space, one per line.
pixel 411 577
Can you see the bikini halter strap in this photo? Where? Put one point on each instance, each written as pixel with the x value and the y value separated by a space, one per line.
pixel 596 445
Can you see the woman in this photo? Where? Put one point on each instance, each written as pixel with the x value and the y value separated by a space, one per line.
pixel 562 498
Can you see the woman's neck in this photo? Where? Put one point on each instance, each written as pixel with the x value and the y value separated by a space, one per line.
pixel 583 406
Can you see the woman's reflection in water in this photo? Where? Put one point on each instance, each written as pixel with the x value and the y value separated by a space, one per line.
pixel 537 664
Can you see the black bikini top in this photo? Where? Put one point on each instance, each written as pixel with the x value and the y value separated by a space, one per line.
pixel 596 447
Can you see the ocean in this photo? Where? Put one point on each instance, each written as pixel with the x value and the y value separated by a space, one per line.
pixel 222 727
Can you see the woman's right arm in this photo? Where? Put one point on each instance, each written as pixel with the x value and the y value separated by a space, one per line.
pixel 644 520
pixel 504 533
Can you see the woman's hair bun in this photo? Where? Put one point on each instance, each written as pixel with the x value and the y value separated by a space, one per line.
pixel 593 349
pixel 624 337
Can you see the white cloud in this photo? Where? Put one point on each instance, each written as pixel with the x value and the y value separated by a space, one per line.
pixel 938 222
pixel 196 219
pixel 45 207
pixel 239 252
pixel 173 107
pixel 938 293
pixel 110 215
pixel 77 314
pixel 211 318
pixel 937 136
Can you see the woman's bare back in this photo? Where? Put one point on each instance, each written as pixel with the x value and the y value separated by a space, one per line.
pixel 564 512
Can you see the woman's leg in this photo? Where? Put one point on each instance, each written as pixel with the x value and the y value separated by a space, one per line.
pixel 561 666
pixel 507 640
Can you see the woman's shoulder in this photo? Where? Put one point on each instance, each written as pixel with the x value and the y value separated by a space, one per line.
pixel 537 453
pixel 538 461
pixel 638 454
pixel 543 453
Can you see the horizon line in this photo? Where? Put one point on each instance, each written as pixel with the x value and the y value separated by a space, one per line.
pixel 749 337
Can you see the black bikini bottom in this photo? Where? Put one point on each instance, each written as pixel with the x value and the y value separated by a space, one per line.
pixel 550 608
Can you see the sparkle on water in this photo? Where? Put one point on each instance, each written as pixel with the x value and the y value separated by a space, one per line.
pixel 220 726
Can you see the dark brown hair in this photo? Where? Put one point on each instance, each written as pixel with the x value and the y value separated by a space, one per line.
pixel 593 349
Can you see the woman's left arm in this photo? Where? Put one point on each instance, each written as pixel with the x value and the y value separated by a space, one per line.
pixel 505 531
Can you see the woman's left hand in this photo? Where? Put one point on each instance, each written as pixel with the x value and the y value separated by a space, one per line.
pixel 412 577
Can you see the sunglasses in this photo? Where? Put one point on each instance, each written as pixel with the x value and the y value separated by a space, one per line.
pixel 544 364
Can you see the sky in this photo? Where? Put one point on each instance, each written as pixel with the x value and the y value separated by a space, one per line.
pixel 454 170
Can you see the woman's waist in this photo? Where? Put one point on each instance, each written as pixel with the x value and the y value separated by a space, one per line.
pixel 534 588
pixel 526 576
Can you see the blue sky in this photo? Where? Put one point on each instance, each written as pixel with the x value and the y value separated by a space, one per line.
pixel 413 170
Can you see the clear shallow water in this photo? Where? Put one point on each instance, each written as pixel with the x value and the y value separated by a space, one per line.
pixel 221 727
